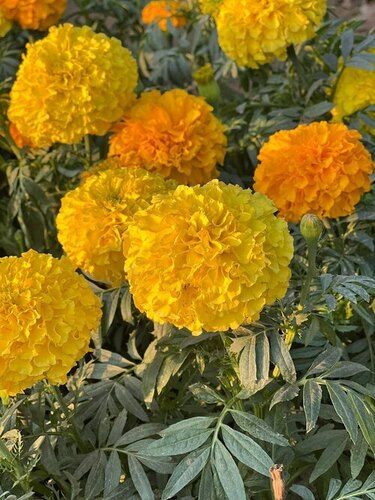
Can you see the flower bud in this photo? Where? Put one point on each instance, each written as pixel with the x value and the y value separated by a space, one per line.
pixel 206 83
pixel 311 227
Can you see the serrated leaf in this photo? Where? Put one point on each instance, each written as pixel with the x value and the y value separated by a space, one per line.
pixel 358 453
pixel 95 479
pixel 140 479
pixel 247 364
pixel 228 473
pixel 246 450
pixel 181 442
pixel 206 484
pixel 325 360
pixel 138 433
pixel 117 427
pixel 365 418
pixel 285 393
pixel 262 349
pixel 312 396
pixel 343 409
pixel 329 456
pixel 194 422
pixel 186 471
pixel 282 358
pixel 344 369
pixel 112 473
pixel 258 428
pixel 129 402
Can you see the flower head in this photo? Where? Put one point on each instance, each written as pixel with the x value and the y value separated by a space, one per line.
pixel 207 257
pixel 355 90
pixel 255 33
pixel 5 24
pixel 161 12
pixel 101 166
pixel 174 134
pixel 47 314
pixel 33 14
pixel 71 83
pixel 321 168
pixel 19 140
pixel 94 216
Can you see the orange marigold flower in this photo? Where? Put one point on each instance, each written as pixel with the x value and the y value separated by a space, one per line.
pixel 20 140
pixel 161 11
pixel 321 168
pixel 33 14
pixel 174 134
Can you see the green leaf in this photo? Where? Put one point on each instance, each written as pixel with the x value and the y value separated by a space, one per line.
pixel 285 393
pixel 325 360
pixel 318 109
pixel 117 427
pixel 112 473
pixel 329 456
pixel 365 418
pixel 258 428
pixel 190 423
pixel 206 485
pixel 302 492
pixel 345 369
pixel 358 454
pixel 343 409
pixel 228 473
pixel 126 306
pixel 247 363
pixel 178 443
pixel 262 357
pixel 246 450
pixel 95 479
pixel 282 358
pixel 140 479
pixel 129 402
pixel 312 396
pixel 186 471
pixel 138 433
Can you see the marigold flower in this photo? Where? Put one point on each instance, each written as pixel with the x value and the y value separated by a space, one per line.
pixel 19 140
pixel 321 168
pixel 210 7
pixel 33 14
pixel 101 166
pixel 71 83
pixel 355 90
pixel 257 32
pixel 207 257
pixel 161 11
pixel 94 216
pixel 174 134
pixel 5 24
pixel 47 314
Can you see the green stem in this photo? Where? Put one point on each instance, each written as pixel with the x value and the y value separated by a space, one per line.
pixel 222 415
pixel 312 247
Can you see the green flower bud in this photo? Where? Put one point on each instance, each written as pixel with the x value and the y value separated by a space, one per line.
pixel 206 83
pixel 311 227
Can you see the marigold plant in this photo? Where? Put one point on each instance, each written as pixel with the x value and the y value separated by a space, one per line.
pixel 5 24
pixel 255 33
pixel 174 134
pixel 71 83
pixel 47 314
pixel 207 257
pixel 33 14
pixel 161 12
pixel 321 168
pixel 94 216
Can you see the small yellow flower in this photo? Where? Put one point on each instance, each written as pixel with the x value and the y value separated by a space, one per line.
pixel 33 14
pixel 47 315
pixel 174 134
pixel 321 168
pixel 255 33
pixel 94 217
pixel 71 83
pixel 207 257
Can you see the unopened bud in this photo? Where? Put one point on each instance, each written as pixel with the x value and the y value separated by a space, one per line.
pixel 206 83
pixel 311 227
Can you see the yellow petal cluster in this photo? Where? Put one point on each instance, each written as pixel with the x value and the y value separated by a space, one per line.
pixel 355 90
pixel 174 134
pixel 161 12
pixel 5 25
pixel 33 14
pixel 256 32
pixel 101 166
pixel 321 168
pixel 71 83
pixel 207 257
pixel 47 314
pixel 94 216
pixel 210 7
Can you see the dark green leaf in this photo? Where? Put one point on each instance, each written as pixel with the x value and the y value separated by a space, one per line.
pixel 312 396
pixel 140 479
pixel 343 409
pixel 258 428
pixel 228 473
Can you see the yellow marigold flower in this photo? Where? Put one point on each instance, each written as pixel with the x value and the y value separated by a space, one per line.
pixel 47 314
pixel 100 167
pixel 321 168
pixel 94 216
pixel 207 257
pixel 33 14
pixel 71 83
pixel 210 7
pixel 161 11
pixel 19 140
pixel 5 24
pixel 355 90
pixel 254 33
pixel 174 134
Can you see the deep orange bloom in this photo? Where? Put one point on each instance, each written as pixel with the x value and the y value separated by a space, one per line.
pixel 174 134
pixel 321 168
pixel 33 14
pixel 160 11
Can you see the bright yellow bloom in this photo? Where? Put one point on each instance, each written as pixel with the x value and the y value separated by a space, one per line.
pixel 71 83
pixel 210 7
pixel 207 257
pixel 253 33
pixel 321 168
pixel 33 14
pixel 47 314
pixel 5 24
pixel 100 167
pixel 94 216
pixel 161 11
pixel 19 140
pixel 354 91
pixel 174 134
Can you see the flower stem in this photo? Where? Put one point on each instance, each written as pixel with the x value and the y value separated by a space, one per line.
pixel 312 246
